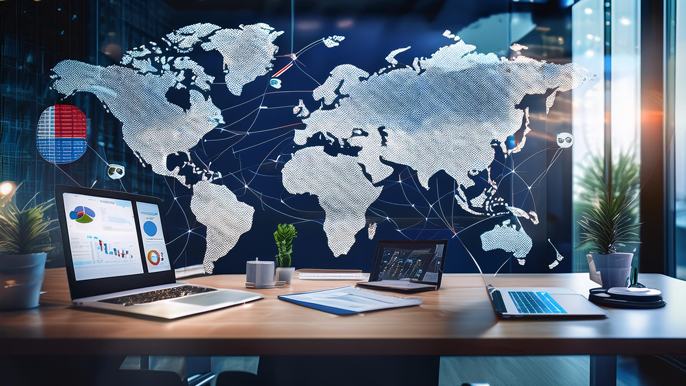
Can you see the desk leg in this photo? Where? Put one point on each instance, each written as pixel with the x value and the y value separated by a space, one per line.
pixel 603 370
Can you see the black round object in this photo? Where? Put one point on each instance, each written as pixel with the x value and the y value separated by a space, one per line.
pixel 600 297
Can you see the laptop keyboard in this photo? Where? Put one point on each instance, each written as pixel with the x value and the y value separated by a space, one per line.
pixel 535 303
pixel 157 295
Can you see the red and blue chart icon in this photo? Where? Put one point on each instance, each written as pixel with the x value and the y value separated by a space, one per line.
pixel 61 135
pixel 154 257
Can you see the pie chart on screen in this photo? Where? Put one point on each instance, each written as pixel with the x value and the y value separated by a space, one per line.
pixel 150 228
pixel 154 257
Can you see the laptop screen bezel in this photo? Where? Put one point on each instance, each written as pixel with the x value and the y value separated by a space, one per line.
pixel 378 255
pixel 94 287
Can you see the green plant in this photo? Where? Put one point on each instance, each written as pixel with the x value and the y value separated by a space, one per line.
pixel 609 217
pixel 284 235
pixel 26 230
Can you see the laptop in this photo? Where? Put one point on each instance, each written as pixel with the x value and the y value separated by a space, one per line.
pixel 518 302
pixel 115 249
pixel 407 266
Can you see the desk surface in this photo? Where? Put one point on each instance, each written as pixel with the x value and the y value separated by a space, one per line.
pixel 457 320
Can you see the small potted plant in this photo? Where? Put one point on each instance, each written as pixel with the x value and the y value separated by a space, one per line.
pixel 609 223
pixel 284 235
pixel 24 243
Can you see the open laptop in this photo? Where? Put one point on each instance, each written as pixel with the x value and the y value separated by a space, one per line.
pixel 517 302
pixel 115 248
pixel 407 266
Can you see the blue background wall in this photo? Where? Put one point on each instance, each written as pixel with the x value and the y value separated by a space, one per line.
pixel 36 36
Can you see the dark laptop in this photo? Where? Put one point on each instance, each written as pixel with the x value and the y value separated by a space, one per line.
pixel 407 266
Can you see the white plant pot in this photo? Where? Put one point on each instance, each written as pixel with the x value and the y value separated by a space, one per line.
pixel 614 268
pixel 21 278
pixel 285 274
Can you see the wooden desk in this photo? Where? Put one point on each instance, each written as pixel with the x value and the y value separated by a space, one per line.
pixel 457 320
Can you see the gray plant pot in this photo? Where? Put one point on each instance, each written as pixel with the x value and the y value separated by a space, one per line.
pixel 614 268
pixel 285 274
pixel 21 278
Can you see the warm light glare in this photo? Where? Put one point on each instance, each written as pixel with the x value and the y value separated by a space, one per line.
pixel 6 188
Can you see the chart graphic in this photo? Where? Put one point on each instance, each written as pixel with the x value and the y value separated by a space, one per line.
pixel 102 252
pixel 150 228
pixel 61 136
pixel 154 257
pixel 82 214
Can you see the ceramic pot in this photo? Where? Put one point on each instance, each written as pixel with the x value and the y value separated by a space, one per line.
pixel 614 268
pixel 285 274
pixel 21 278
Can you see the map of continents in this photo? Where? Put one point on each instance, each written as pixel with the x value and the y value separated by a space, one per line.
pixel 440 113
pixel 154 128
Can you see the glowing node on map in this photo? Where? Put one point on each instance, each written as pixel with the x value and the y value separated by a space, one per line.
pixel 510 142
pixel 115 172
pixel 565 140
pixel 61 135
pixel 276 83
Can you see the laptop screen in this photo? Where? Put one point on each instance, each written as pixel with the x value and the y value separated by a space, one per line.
pixel 104 240
pixel 414 261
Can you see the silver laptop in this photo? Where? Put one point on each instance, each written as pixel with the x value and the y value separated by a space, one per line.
pixel 541 302
pixel 115 247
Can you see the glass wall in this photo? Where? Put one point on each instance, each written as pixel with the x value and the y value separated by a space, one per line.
pixel 679 140
pixel 606 40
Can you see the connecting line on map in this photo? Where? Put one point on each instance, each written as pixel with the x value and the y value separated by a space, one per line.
pixel 307 47
pixel 261 143
pixel 294 56
pixel 514 170
pixel 267 93
pixel 265 158
pixel 188 225
pixel 440 206
pixel 233 123
pixel 283 202
pixel 304 72
pixel 522 179
pixel 67 174
pixel 280 212
pixel 472 256
pixel 402 188
pixel 555 157
pixel 501 266
pixel 476 223
pixel 247 132
pixel 184 234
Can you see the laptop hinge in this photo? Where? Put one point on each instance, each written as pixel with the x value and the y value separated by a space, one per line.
pixel 497 298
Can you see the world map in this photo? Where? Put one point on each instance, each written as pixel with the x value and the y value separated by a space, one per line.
pixel 447 112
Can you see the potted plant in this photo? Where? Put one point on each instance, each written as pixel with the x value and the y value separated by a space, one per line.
pixel 24 243
pixel 609 222
pixel 284 235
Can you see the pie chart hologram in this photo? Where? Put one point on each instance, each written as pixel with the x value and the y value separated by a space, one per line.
pixel 82 214
pixel 154 257
pixel 150 228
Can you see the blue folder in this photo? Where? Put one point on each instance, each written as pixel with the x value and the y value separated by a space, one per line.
pixel 370 301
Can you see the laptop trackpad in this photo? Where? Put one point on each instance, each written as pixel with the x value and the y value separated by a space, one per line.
pixel 213 298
